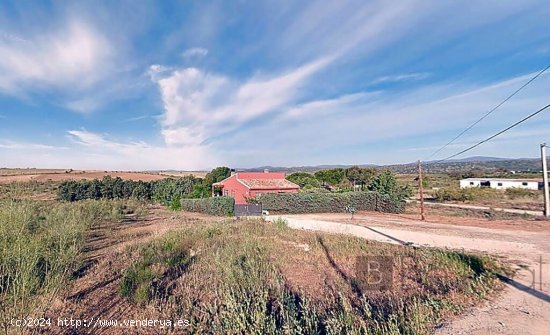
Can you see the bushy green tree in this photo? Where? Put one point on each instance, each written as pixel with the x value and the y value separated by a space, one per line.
pixel 360 176
pixel 304 180
pixel 331 176
pixel 216 175
pixel 142 191
pixel 203 189
pixel 386 183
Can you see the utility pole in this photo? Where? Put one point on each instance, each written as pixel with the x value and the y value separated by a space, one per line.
pixel 545 180
pixel 421 191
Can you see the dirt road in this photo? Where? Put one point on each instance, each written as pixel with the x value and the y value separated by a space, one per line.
pixel 524 305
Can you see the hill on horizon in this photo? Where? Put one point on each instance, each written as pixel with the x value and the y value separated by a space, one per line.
pixel 453 165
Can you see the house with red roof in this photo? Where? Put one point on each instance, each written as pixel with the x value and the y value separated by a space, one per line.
pixel 245 185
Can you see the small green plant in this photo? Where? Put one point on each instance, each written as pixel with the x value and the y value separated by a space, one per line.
pixel 515 193
pixel 163 258
pixel 136 283
pixel 280 223
pixel 467 194
pixel 175 204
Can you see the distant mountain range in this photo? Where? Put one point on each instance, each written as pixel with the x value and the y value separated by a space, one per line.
pixel 454 165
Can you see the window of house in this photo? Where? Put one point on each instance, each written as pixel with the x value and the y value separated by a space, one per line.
pixel 471 183
pixel 499 184
pixel 524 184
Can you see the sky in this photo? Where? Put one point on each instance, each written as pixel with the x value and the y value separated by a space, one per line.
pixel 190 85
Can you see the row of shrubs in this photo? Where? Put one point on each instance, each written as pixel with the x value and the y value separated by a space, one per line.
pixel 314 202
pixel 162 191
pixel 220 206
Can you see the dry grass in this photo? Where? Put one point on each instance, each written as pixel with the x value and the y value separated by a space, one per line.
pixel 255 277
pixel 21 172
pixel 40 247
pixel 224 277
pixel 32 190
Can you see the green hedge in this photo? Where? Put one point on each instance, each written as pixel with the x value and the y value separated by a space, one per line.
pixel 306 202
pixel 220 206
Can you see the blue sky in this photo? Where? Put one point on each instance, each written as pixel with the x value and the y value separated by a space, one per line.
pixel 195 84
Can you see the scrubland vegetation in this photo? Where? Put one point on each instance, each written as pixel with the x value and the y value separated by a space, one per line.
pixel 264 278
pixel 477 193
pixel 233 277
pixel 40 248
pixel 28 190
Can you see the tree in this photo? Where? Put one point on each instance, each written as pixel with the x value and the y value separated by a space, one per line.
pixel 360 176
pixel 386 183
pixel 200 191
pixel 331 176
pixel 216 175
pixel 304 180
pixel 141 191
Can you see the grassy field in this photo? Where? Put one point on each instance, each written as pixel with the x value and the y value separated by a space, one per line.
pixel 41 245
pixel 222 275
pixel 267 279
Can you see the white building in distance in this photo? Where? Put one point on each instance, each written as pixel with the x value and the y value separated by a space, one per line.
pixel 502 184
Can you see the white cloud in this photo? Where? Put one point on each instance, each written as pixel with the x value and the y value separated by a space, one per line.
pixel 74 63
pixel 401 77
pixel 139 118
pixel 84 105
pixel 12 37
pixel 199 105
pixel 13 145
pixel 98 151
pixel 90 139
pixel 74 56
pixel 328 106
pixel 194 53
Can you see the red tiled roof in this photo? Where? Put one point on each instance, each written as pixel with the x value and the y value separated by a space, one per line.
pixel 268 184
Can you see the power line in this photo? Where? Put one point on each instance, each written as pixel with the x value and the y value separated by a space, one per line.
pixel 489 112
pixel 495 135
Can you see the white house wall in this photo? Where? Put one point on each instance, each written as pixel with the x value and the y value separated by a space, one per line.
pixel 501 185
pixel 469 183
